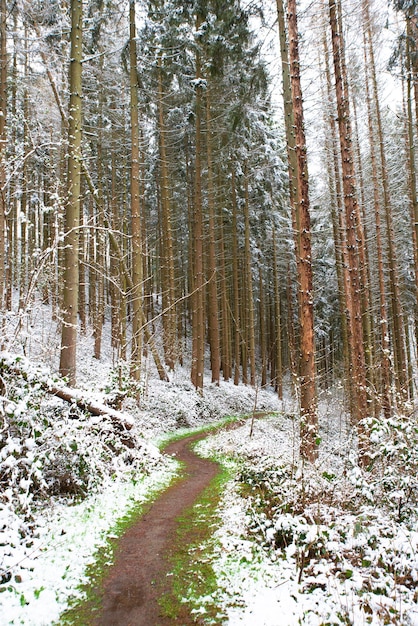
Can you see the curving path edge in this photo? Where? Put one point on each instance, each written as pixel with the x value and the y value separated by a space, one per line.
pixel 130 593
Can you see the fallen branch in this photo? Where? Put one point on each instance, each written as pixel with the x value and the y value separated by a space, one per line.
pixel 18 366
pixel 75 396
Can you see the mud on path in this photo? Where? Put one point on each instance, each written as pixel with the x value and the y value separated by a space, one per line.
pixel 136 580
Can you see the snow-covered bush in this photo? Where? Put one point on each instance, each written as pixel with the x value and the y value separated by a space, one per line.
pixel 49 447
pixel 331 532
pixel 392 478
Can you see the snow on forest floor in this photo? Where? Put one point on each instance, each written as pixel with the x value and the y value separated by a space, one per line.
pixel 316 545
pixel 67 477
pixel 323 544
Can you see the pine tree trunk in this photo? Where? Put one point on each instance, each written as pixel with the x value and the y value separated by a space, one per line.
pixel 358 365
pixel 235 282
pixel 412 189
pixel 83 263
pixel 136 293
pixel 225 313
pixel 100 267
pixel 278 378
pixel 24 209
pixel 3 138
pixel 384 326
pixel 213 307
pixel 198 314
pixel 250 326
pixel 262 326
pixel 309 420
pixel 72 213
pixel 167 254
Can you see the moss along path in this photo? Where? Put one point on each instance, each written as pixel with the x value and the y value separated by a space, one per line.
pixel 139 586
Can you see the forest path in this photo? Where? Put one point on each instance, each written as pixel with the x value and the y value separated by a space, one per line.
pixel 138 577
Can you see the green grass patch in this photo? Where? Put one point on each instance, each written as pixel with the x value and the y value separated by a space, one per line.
pixel 81 611
pixel 164 440
pixel 190 590
pixel 192 574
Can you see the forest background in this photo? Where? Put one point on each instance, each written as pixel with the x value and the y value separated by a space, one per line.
pixel 227 189
pixel 159 187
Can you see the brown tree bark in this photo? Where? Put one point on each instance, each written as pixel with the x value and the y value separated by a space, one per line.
pixel 278 378
pixel 384 325
pixel 72 213
pixel 309 419
pixel 224 305
pixel 136 292
pixel 3 139
pixel 412 176
pixel 213 305
pixel 235 282
pixel 335 190
pixel 358 365
pixel 167 253
pixel 198 313
pixel 250 325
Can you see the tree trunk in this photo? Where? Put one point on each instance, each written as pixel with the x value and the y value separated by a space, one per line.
pixel 136 293
pixel 278 377
pixel 72 213
pixel 3 139
pixel 250 326
pixel 235 282
pixel 412 186
pixel 384 326
pixel 198 313
pixel 309 420
pixel 358 366
pixel 213 307
pixel 167 254
pixel 225 311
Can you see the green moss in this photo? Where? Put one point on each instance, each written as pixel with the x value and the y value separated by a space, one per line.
pixel 81 611
pixel 183 433
pixel 192 576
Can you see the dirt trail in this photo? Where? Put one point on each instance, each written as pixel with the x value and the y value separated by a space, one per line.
pixel 130 591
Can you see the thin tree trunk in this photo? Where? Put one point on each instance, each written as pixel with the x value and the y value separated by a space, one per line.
pixel 412 187
pixel 167 255
pixel 235 281
pixel 3 139
pixel 262 326
pixel 213 307
pixel 358 366
pixel 198 319
pixel 100 270
pixel 385 344
pixel 24 209
pixel 225 313
pixel 278 378
pixel 136 293
pixel 72 213
pixel 309 419
pixel 250 326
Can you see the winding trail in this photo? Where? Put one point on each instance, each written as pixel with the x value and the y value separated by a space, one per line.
pixel 131 592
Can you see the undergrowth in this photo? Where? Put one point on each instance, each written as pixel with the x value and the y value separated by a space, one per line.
pixel 352 535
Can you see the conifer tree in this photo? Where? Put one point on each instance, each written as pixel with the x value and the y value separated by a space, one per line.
pixel 72 211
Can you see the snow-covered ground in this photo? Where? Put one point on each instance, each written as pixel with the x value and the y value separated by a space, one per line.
pixel 323 544
pixel 315 545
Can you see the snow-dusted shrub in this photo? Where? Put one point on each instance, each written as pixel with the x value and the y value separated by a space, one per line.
pixel 391 480
pixel 352 534
pixel 179 405
pixel 49 447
